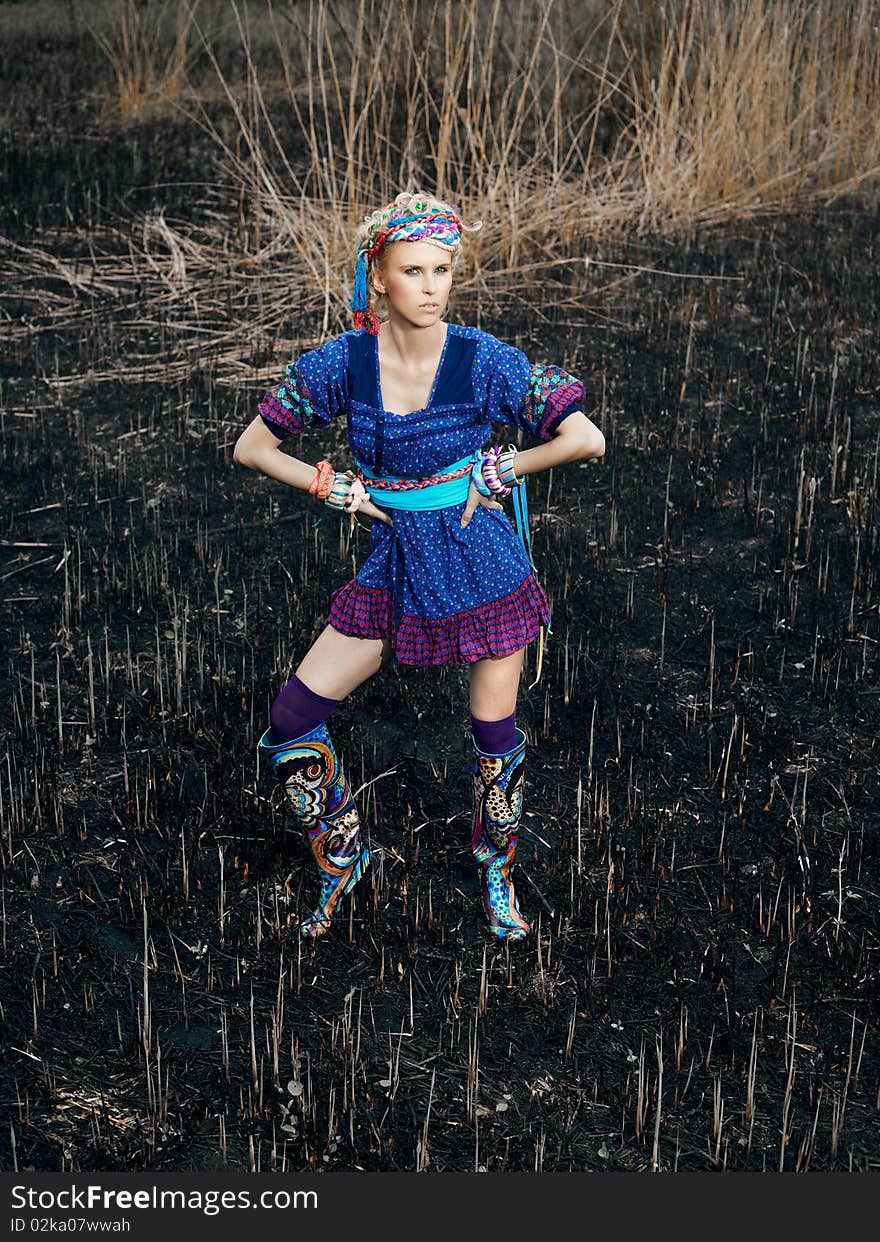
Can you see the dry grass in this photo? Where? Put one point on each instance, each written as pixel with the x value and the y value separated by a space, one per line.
pixel 149 50
pixel 714 111
pixel 767 107
pixel 559 126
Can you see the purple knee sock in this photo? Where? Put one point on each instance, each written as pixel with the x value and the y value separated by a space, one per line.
pixel 298 710
pixel 494 737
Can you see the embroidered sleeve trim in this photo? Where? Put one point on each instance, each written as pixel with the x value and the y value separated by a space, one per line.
pixel 288 409
pixel 552 394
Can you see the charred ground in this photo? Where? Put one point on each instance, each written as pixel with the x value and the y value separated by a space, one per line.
pixel 699 855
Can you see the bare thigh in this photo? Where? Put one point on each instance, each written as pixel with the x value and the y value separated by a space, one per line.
pixel 336 664
pixel 494 685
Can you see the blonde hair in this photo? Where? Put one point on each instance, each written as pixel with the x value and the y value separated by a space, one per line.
pixel 406 203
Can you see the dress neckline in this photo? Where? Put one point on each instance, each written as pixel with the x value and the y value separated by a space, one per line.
pixel 427 405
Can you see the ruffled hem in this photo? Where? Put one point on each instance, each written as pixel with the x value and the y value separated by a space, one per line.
pixel 361 611
pixel 494 629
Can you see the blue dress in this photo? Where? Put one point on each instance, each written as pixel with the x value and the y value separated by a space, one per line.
pixel 441 594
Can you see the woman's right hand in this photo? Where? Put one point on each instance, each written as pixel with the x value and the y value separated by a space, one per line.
pixel 367 506
pixel 358 501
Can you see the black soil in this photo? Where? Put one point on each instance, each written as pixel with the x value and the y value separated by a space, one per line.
pixel 699 854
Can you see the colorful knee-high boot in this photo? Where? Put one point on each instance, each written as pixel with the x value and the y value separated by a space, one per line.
pixel 498 799
pixel 312 776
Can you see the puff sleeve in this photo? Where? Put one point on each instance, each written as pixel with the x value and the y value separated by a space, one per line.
pixel 312 393
pixel 531 396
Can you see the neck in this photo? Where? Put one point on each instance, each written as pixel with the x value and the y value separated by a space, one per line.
pixel 410 342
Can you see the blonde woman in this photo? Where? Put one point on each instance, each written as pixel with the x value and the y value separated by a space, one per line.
pixel 448 580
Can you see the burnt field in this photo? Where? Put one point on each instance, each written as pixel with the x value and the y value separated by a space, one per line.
pixel 699 854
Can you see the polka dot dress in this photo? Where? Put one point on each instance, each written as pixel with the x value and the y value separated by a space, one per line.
pixel 441 593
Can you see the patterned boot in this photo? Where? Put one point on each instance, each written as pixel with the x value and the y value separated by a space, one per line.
pixel 498 798
pixel 312 776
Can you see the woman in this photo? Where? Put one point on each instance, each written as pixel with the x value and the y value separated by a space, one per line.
pixel 447 580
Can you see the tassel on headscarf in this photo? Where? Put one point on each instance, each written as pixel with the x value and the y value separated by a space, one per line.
pixel 360 297
pixel 362 313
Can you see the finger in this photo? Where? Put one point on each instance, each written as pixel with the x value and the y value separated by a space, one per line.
pixel 375 512
pixel 466 516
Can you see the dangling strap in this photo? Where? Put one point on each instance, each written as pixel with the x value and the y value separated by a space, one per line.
pixel 521 509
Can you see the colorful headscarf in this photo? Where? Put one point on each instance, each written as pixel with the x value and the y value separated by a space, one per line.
pixel 440 228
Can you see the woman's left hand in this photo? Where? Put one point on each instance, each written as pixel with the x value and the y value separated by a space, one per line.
pixel 474 499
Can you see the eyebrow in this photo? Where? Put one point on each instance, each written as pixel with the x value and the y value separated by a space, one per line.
pixel 442 263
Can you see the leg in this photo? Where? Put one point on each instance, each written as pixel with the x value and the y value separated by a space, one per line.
pixel 312 775
pixel 497 773
pixel 336 664
pixel 494 684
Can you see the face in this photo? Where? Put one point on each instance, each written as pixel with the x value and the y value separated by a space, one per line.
pixel 417 278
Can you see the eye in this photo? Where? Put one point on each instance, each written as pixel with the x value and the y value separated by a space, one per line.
pixel 410 270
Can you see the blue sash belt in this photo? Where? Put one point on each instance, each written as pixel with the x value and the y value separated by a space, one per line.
pixel 438 496
pixel 431 496
pixel 443 495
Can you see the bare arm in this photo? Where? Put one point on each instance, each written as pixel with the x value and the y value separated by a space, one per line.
pixel 257 449
pixel 575 439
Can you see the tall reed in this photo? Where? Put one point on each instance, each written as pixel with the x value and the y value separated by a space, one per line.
pixel 555 122
pixel 559 124
pixel 148 47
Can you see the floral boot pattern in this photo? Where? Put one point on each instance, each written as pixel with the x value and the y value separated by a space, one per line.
pixel 312 776
pixel 498 800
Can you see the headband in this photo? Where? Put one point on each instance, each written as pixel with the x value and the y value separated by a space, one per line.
pixel 440 228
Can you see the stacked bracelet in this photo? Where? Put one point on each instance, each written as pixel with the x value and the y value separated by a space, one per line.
pixel 340 487
pixel 495 471
pixel 490 472
pixel 323 481
pixel 506 471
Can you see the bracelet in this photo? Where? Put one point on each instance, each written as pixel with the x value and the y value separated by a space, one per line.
pixel 506 470
pixel 489 471
pixel 323 480
pixel 339 489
